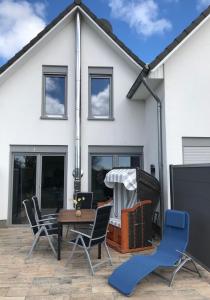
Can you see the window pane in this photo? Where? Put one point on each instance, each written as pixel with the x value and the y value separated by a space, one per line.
pixel 100 97
pixel 54 95
pixel 129 161
pixel 101 165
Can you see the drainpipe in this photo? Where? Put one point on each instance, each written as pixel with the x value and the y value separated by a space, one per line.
pixel 77 170
pixel 160 145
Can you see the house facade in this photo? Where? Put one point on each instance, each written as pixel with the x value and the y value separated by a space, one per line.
pixel 74 99
pixel 37 92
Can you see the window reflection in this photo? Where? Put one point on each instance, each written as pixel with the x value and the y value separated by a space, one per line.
pixel 101 165
pixel 24 185
pixel 129 161
pixel 54 95
pixel 100 97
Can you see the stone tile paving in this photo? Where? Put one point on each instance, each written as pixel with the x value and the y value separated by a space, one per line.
pixel 43 277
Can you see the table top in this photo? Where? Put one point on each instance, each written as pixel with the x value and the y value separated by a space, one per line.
pixel 69 216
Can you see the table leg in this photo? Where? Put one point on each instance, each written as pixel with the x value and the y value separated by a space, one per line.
pixel 59 240
pixel 99 251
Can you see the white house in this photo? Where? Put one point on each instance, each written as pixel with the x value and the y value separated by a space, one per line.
pixel 39 89
pixel 65 106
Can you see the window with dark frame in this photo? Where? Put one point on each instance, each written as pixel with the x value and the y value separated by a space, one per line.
pixel 54 103
pixel 100 94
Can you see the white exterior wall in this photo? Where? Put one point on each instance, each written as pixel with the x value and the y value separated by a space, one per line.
pixel 127 129
pixel 21 100
pixel 187 90
pixel 151 138
pixel 20 107
pixel 151 127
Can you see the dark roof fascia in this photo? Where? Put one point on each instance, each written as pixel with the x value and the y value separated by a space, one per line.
pixel 138 82
pixel 179 38
pixel 56 21
pixel 37 38
pixel 113 36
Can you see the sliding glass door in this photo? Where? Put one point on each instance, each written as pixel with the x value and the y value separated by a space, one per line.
pixel 37 174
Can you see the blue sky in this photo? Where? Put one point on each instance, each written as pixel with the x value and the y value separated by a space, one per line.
pixel 145 26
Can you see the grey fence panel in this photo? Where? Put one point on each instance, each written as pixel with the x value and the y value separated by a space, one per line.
pixel 190 191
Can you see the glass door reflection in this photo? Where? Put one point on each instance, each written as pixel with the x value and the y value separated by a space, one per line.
pixel 24 185
pixel 52 183
pixel 100 165
pixel 129 161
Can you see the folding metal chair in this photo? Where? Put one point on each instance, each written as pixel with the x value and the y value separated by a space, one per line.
pixel 94 236
pixel 39 229
pixel 38 215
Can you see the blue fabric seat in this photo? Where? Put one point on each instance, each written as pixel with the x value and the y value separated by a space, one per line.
pixel 170 253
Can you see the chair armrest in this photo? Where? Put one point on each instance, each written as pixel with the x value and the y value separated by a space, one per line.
pixel 81 233
pixel 44 225
pixel 36 225
pixel 47 219
pixel 47 224
pixel 49 215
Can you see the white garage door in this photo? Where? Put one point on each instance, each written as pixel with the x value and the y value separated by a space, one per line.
pixel 196 150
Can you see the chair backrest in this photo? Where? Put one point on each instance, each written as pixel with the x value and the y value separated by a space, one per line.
pixel 38 214
pixel 30 215
pixel 88 202
pixel 175 233
pixel 101 223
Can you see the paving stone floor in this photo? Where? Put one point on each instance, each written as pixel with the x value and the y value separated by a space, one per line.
pixel 43 277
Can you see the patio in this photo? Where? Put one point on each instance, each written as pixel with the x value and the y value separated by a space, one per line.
pixel 43 277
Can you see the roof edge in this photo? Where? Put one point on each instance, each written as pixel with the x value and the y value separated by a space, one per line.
pixel 113 36
pixel 54 22
pixel 189 29
pixel 41 34
pixel 137 83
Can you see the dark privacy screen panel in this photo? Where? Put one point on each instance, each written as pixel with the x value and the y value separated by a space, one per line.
pixel 190 191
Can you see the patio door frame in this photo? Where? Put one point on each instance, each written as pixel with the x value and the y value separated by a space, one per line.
pixel 39 152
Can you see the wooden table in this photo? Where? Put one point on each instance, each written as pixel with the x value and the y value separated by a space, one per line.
pixel 67 216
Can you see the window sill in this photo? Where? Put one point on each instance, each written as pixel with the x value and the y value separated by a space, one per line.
pixel 54 118
pixel 100 119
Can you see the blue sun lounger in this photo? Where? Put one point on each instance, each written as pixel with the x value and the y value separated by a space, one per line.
pixel 170 253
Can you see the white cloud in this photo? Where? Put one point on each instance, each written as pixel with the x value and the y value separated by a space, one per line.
pixel 51 84
pixel 143 15
pixel 53 106
pixel 202 4
pixel 100 103
pixel 20 21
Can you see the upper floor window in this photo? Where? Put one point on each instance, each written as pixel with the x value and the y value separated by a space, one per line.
pixel 54 92
pixel 100 94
